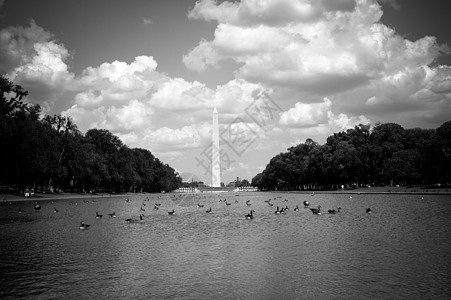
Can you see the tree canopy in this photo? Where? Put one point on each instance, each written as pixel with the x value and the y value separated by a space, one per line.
pixel 386 154
pixel 51 153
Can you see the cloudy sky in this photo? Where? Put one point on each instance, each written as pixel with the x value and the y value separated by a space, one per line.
pixel 278 71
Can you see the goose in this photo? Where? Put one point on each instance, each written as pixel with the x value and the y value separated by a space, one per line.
pixel 277 211
pixel 200 205
pixel 248 203
pixel 136 220
pixel 155 207
pixel 227 203
pixel 316 211
pixel 55 210
pixel 98 216
pixel 306 203
pixel 208 211
pixel 142 209
pixel 296 208
pixel 333 211
pixel 236 201
pixel 37 207
pixel 368 210
pixel 84 226
pixel 113 214
pixel 250 215
pixel 171 212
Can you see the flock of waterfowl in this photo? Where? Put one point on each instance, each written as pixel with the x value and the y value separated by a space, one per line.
pixel 249 216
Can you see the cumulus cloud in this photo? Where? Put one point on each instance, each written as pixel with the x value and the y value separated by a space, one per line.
pixel 251 12
pixel 30 57
pixel 334 49
pixel 312 115
pixel 315 47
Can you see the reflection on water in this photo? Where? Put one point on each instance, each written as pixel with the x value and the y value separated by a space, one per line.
pixel 400 250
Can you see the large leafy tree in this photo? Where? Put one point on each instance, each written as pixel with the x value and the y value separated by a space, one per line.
pixel 49 152
pixel 385 154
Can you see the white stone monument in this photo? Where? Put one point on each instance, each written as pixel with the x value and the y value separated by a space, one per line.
pixel 215 155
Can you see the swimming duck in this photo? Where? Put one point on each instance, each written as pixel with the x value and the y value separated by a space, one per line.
pixel 84 226
pixel 316 211
pixel 171 212
pixel 250 215
pixel 37 207
pixel 333 211
pixel 136 220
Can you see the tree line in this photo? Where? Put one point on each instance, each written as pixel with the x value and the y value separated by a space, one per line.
pixel 49 152
pixel 386 154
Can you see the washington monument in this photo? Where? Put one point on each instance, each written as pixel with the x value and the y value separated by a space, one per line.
pixel 215 157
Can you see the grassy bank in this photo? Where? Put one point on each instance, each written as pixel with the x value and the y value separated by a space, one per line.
pixel 61 196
